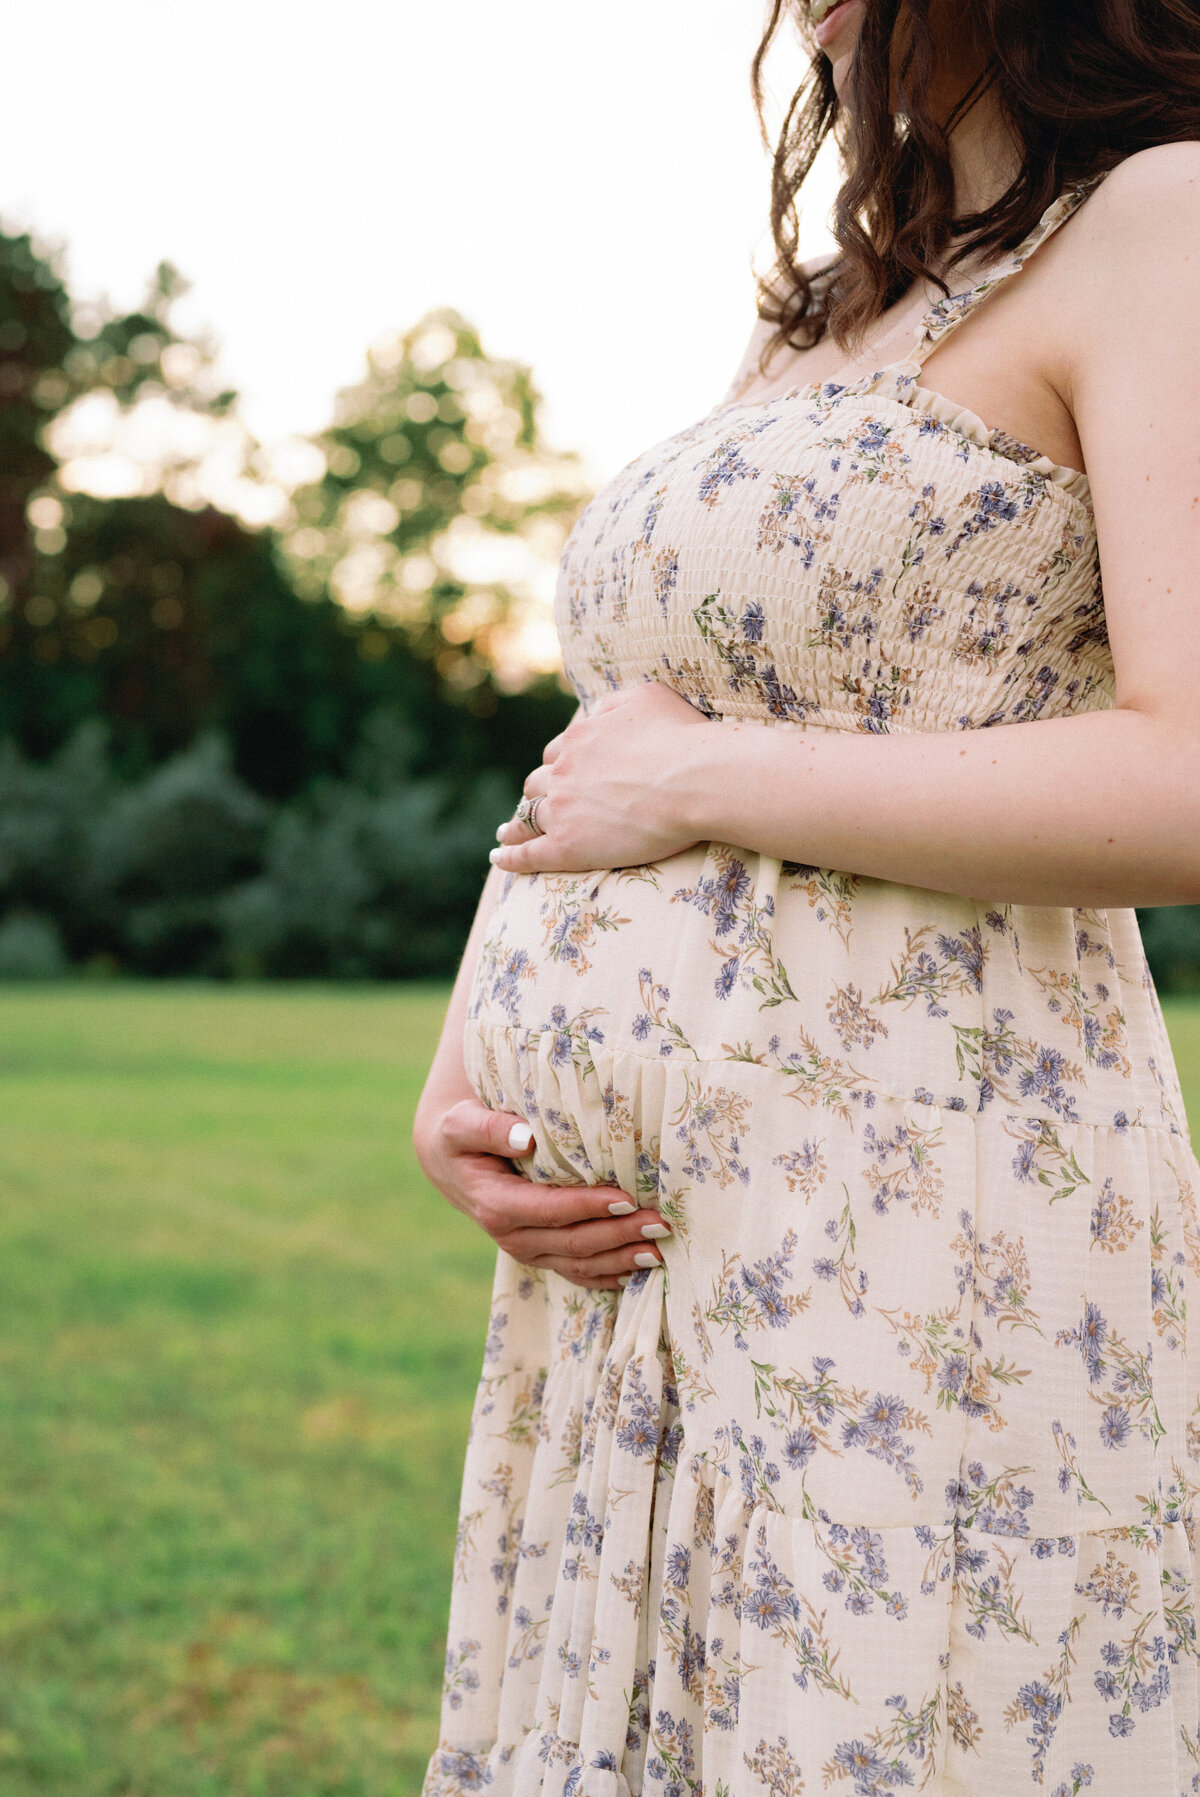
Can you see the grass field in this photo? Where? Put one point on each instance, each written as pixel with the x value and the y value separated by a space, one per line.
pixel 238 1344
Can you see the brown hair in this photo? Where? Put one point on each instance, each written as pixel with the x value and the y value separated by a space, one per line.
pixel 1081 84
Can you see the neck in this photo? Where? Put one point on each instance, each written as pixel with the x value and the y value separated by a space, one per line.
pixel 984 157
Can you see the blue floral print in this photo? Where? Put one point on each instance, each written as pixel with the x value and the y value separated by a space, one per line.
pixel 886 1478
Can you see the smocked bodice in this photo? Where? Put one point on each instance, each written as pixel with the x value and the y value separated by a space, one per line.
pixel 864 556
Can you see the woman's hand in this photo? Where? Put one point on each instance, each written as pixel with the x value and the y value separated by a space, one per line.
pixel 606 797
pixel 592 1235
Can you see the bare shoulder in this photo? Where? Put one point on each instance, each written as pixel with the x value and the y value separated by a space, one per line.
pixel 1151 198
pixel 1134 256
pixel 1160 173
pixel 1132 364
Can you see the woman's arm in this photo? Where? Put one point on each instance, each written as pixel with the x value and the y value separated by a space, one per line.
pixel 466 1151
pixel 1096 810
pixel 1100 809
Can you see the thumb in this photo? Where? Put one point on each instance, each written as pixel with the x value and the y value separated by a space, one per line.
pixel 471 1128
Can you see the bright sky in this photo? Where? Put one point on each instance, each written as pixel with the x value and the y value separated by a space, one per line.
pixel 585 182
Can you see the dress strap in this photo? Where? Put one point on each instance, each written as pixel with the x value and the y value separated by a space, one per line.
pixel 949 312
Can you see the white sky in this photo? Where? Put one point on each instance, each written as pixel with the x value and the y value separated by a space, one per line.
pixel 584 181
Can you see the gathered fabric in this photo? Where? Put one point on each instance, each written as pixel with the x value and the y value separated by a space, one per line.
pixel 887 1477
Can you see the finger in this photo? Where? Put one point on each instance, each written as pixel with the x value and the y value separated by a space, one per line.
pixel 514 1204
pixel 612 1266
pixel 538 856
pixel 583 1241
pixel 515 829
pixel 558 1206
pixel 469 1127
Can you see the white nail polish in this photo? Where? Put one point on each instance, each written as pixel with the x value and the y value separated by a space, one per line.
pixel 624 1278
pixel 493 856
pixel 655 1232
pixel 520 1138
pixel 624 1209
pixel 645 1260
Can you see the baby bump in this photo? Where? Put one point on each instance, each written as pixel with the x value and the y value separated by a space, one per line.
pixel 720 956
pixel 547 1010
pixel 664 959
pixel 599 997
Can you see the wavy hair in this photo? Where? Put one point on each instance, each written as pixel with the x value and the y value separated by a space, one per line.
pixel 1081 84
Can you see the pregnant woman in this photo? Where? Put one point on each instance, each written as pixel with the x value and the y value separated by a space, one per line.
pixel 839 1427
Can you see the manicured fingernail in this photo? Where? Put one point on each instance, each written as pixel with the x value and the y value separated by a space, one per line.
pixel 655 1232
pixel 520 1137
pixel 624 1209
pixel 499 832
pixel 646 1260
pixel 624 1278
pixel 494 856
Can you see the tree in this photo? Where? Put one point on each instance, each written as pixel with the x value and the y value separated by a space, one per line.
pixel 51 356
pixel 441 508
pixel 167 620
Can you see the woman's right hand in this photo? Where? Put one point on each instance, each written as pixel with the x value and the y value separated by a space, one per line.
pixel 467 1151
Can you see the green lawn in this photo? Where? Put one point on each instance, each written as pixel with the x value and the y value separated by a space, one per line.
pixel 239 1339
pixel 238 1345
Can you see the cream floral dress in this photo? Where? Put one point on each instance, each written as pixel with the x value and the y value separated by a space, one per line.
pixel 888 1478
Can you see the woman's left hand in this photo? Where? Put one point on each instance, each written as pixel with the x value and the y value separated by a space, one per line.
pixel 606 789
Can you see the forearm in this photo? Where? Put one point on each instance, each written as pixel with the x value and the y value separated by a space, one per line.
pixel 1100 809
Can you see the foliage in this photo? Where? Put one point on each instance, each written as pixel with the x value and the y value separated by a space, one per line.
pixel 168 620
pixel 358 885
pixel 50 357
pixel 1171 935
pixel 439 499
pixel 189 870
pixel 31 948
pixel 167 623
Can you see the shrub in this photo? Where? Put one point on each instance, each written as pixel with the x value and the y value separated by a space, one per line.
pixel 49 815
pixel 188 871
pixel 31 948
pixel 364 885
pixel 169 848
pixel 1171 935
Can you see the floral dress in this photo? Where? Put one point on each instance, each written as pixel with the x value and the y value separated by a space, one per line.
pixel 887 1477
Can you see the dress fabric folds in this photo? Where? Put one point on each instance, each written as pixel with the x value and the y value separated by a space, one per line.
pixel 887 1478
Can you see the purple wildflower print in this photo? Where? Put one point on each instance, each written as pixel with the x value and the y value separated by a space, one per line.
pixel 1089 1337
pixel 723 467
pixel 834 559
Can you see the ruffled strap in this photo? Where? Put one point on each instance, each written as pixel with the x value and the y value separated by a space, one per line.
pixel 949 312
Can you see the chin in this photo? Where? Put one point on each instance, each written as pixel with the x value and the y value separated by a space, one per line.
pixel 835 31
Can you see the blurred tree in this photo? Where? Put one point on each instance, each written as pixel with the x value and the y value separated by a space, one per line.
pixel 441 508
pixel 167 620
pixel 51 356
pixel 35 339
